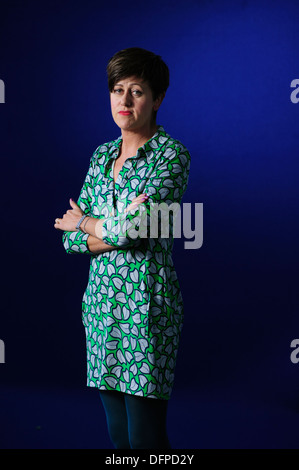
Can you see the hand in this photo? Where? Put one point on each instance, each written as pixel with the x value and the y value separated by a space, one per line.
pixel 136 201
pixel 70 218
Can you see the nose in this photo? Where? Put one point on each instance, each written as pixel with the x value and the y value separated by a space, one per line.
pixel 126 98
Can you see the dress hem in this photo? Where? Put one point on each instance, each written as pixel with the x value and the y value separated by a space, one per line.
pixel 117 389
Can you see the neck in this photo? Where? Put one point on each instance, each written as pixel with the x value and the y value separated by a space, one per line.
pixel 132 140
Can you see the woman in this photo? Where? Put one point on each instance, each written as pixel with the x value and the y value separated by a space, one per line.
pixel 132 306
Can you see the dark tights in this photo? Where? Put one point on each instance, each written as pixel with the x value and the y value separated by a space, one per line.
pixel 135 422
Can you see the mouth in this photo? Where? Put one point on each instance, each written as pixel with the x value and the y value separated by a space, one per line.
pixel 125 113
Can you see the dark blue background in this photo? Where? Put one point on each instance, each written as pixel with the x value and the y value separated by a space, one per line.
pixel 231 64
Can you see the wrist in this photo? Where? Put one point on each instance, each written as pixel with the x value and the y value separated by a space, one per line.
pixel 83 224
pixel 78 226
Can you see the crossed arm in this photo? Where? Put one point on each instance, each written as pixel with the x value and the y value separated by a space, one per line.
pixel 92 226
pixel 167 183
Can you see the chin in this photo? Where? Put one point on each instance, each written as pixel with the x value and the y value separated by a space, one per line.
pixel 120 121
pixel 127 126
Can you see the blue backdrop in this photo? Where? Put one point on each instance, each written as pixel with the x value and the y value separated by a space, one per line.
pixel 231 65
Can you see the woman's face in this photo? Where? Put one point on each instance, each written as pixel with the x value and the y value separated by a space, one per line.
pixel 132 105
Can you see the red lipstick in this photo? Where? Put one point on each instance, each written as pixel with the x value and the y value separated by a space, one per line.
pixel 125 113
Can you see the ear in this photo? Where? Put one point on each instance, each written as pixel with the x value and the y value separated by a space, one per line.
pixel 158 101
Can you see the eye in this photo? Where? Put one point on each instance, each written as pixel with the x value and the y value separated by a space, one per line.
pixel 117 90
pixel 137 92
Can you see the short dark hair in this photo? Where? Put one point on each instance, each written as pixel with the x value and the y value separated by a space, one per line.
pixel 140 63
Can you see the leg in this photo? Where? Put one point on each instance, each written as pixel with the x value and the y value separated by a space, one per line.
pixel 147 422
pixel 116 415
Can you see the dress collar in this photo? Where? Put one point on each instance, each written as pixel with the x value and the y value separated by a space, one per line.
pixel 154 143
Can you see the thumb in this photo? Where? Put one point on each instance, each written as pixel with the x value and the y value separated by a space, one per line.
pixel 73 204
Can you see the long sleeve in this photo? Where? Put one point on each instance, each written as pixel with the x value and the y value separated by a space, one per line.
pixel 76 242
pixel 166 183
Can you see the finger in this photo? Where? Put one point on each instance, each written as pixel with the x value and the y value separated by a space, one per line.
pixel 56 225
pixel 75 207
pixel 136 202
pixel 73 204
pixel 141 197
pixel 133 205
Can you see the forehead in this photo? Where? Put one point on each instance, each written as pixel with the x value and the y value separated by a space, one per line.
pixel 129 81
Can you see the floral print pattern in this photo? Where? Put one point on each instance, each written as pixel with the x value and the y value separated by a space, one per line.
pixel 132 308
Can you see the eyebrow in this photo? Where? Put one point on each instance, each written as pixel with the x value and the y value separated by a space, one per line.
pixel 134 83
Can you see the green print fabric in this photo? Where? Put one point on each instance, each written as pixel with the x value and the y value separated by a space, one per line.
pixel 132 308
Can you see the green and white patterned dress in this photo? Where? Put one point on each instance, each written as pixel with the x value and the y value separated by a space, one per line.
pixel 132 306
